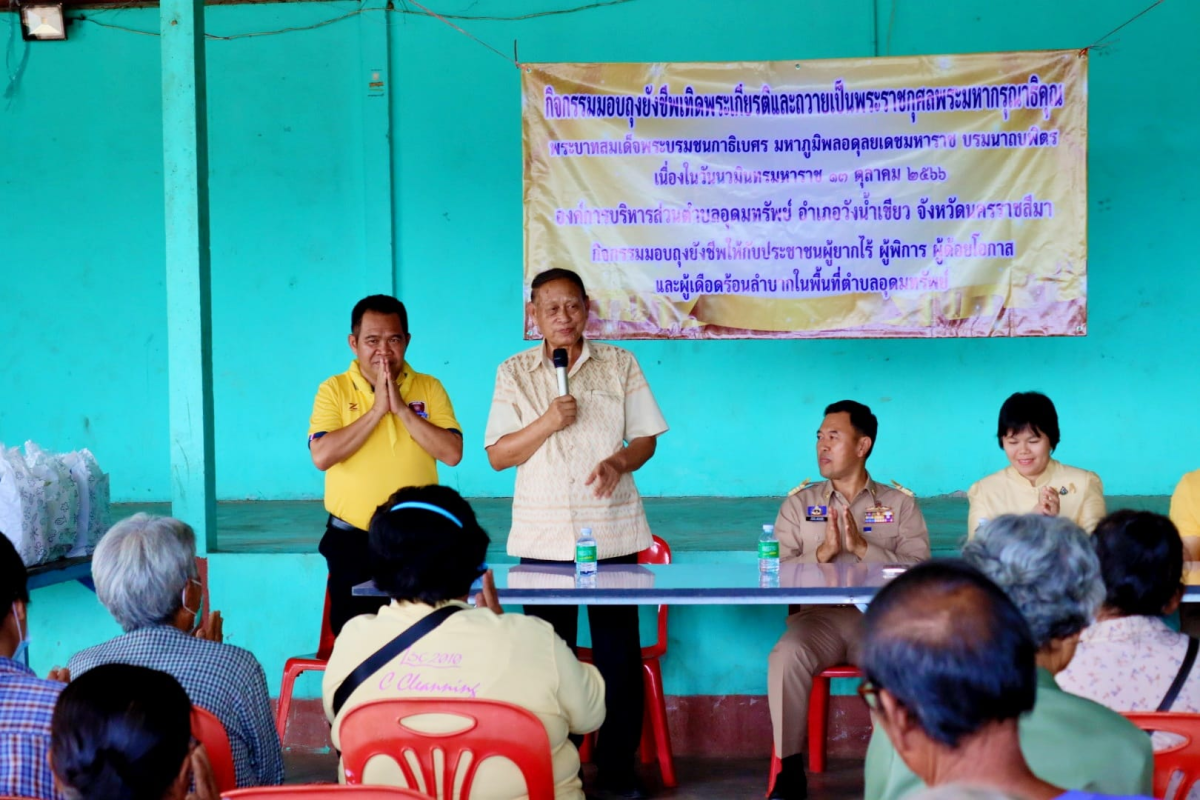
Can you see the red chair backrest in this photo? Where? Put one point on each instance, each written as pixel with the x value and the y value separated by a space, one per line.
pixel 209 731
pixel 325 791
pixel 1179 758
pixel 325 644
pixel 493 728
pixel 659 552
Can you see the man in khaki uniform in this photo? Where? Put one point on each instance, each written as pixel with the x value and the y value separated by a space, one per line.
pixel 848 517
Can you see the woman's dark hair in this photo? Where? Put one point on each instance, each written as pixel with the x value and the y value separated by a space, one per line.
pixel 420 554
pixel 1141 560
pixel 556 274
pixel 1030 411
pixel 380 304
pixel 120 732
pixel 13 577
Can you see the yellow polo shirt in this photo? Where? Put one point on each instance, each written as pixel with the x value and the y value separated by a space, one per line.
pixel 1081 495
pixel 390 458
pixel 1185 505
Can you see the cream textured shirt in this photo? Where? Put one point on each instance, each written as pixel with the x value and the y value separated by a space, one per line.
pixel 550 501
pixel 1081 495
pixel 474 653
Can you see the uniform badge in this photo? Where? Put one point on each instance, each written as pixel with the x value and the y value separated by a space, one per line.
pixel 817 514
pixel 1063 491
pixel 418 408
pixel 354 406
pixel 879 515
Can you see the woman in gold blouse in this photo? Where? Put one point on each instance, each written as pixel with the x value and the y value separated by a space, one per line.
pixel 1033 482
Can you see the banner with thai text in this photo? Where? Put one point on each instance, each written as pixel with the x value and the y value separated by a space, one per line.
pixel 926 196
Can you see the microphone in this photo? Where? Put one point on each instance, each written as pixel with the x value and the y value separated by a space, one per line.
pixel 560 369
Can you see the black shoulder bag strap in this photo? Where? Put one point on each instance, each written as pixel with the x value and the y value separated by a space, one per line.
pixel 380 658
pixel 1184 669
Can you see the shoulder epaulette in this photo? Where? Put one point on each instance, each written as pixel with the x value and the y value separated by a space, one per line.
pixel 799 488
pixel 900 488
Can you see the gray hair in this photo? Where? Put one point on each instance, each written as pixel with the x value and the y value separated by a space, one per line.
pixel 141 567
pixel 1047 565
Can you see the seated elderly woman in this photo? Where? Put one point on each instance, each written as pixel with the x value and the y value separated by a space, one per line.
pixel 1033 482
pixel 1047 566
pixel 145 574
pixel 427 549
pixel 125 731
pixel 1128 659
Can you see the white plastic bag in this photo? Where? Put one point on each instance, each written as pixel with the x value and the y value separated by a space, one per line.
pixel 23 512
pixel 61 498
pixel 93 485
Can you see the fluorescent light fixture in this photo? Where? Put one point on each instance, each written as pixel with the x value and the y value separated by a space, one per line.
pixel 43 21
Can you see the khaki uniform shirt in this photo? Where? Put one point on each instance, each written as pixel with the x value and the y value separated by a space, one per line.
pixel 887 518
pixel 1081 495
pixel 550 501
pixel 1185 505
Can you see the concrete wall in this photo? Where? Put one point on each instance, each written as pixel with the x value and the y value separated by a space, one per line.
pixel 82 329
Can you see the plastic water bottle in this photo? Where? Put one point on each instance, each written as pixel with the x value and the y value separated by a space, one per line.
pixel 768 550
pixel 585 553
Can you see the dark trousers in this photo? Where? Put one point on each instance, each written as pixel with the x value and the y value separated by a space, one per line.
pixel 617 653
pixel 346 554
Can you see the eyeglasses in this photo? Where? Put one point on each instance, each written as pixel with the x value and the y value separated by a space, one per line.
pixel 869 692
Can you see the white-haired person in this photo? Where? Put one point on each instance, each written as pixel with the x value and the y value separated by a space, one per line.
pixel 1049 569
pixel 145 574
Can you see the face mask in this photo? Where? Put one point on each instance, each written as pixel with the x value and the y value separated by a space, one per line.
pixel 183 602
pixel 21 654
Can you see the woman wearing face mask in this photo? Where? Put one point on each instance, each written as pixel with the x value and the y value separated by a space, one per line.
pixel 1033 482
pixel 146 576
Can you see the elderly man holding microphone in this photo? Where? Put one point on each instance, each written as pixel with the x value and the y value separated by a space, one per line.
pixel 575 452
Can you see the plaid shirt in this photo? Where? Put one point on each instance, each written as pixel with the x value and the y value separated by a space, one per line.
pixel 220 678
pixel 26 706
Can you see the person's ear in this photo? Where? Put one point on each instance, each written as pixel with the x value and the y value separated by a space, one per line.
pixel 22 611
pixel 179 788
pixel 864 446
pixel 352 340
pixel 1173 604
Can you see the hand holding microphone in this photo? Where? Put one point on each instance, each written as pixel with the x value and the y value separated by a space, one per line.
pixel 562 411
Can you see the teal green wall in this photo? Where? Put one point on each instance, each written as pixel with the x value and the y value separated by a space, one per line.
pixel 82 358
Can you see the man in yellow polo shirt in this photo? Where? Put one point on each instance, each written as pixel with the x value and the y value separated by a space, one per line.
pixel 375 428
pixel 1185 513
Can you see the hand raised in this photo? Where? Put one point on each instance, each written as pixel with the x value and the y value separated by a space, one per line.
pixel 383 395
pixel 852 537
pixel 829 549
pixel 605 476
pixel 1049 502
pixel 202 776
pixel 562 412
pixel 488 597
pixel 212 628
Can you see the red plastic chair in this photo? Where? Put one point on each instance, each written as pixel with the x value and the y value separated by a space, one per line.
pixel 1182 758
pixel 656 735
pixel 324 791
pixel 818 720
pixel 294 667
pixel 209 731
pixel 498 729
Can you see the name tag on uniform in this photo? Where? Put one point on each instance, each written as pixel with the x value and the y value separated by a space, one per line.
pixel 817 514
pixel 879 515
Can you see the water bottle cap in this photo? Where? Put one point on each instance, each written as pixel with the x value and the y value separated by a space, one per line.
pixel 768 528
pixel 586 531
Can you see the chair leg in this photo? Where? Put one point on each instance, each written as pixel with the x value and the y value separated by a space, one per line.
pixel 285 701
pixel 585 748
pixel 656 707
pixel 776 766
pixel 818 715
